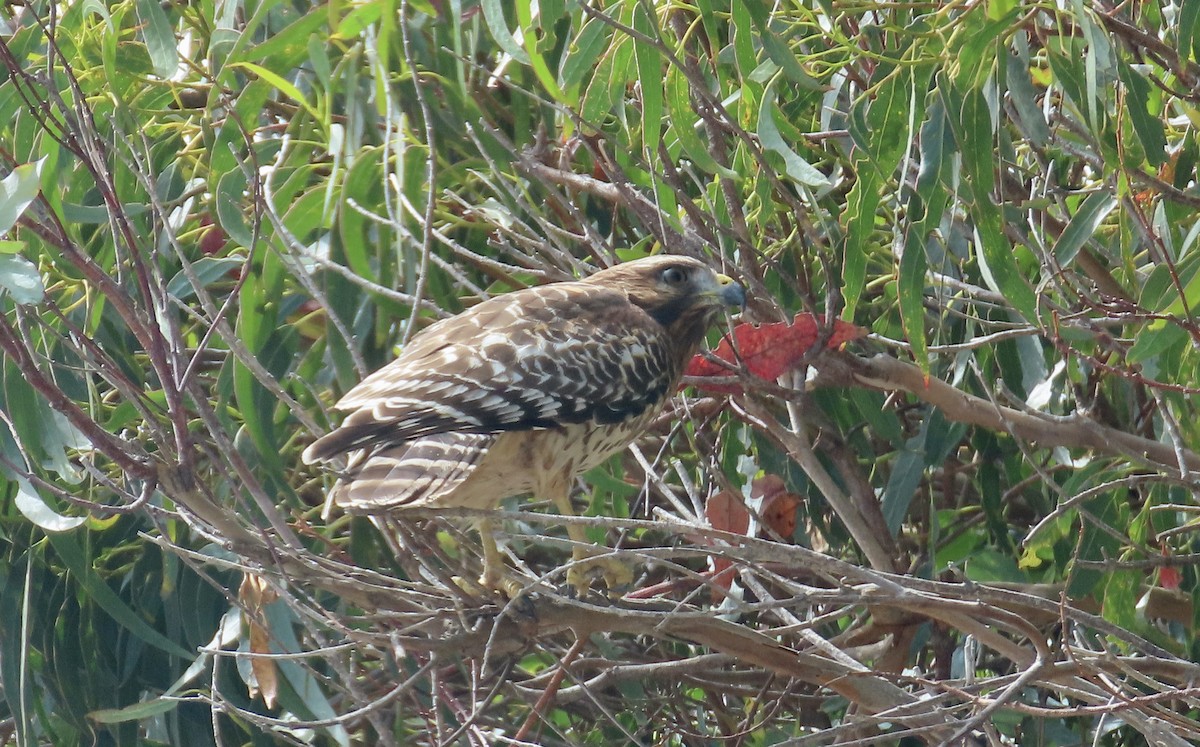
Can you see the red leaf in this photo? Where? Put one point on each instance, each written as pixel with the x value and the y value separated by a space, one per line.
pixel 778 508
pixel 213 239
pixel 725 512
pixel 767 350
pixel 1170 578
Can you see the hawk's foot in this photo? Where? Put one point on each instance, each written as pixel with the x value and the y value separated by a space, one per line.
pixel 503 582
pixel 585 571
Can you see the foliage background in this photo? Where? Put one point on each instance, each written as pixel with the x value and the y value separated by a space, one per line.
pixel 218 216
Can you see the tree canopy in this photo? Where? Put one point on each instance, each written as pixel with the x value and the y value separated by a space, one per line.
pixel 975 523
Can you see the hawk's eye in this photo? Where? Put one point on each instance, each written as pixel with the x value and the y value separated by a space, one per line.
pixel 674 276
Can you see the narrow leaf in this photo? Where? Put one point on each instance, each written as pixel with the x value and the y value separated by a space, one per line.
pixel 649 67
pixel 68 550
pixel 207 270
pixel 904 480
pixel 493 15
pixel 910 287
pixel 20 279
pixel 580 57
pixel 973 129
pixel 279 84
pixel 17 190
pixel 861 204
pixel 136 712
pixel 801 171
pixel 778 51
pixel 1083 225
pixel 160 38
pixel 1149 127
pixel 1188 42
pixel 32 507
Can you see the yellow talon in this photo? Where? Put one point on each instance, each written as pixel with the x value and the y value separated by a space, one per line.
pixel 496 576
pixel 584 571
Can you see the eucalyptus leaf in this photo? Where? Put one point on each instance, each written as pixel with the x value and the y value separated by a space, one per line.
pixel 160 38
pixel 17 190
pixel 33 507
pixel 801 171
pixel 20 279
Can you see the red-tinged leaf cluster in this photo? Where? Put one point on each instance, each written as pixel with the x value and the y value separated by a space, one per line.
pixel 766 350
pixel 726 511
pixel 1169 577
pixel 213 239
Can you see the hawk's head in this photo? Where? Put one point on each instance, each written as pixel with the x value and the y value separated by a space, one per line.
pixel 680 293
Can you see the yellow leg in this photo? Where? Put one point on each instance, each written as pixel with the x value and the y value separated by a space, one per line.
pixel 584 568
pixel 493 561
pixel 495 575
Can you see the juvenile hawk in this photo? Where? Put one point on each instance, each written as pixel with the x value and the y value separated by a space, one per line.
pixel 521 393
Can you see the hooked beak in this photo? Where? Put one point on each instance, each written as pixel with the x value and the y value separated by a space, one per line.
pixel 730 292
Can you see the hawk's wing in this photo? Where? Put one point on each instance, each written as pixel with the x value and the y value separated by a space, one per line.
pixel 537 358
pixel 412 473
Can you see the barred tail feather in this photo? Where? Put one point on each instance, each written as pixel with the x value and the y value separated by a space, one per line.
pixel 412 474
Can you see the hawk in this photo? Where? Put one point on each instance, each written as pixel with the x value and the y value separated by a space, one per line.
pixel 523 392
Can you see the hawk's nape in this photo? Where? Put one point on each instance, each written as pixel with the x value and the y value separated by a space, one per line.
pixel 522 392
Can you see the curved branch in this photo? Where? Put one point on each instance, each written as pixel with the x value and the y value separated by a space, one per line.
pixel 1072 431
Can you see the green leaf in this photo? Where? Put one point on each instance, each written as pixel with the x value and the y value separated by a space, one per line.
pixel 279 84
pixel 893 114
pixel 1024 98
pixel 160 38
pixel 304 694
pixel 910 289
pixel 986 565
pixel 1099 65
pixel 493 15
pixel 68 550
pixel 861 204
pixel 580 57
pixel 20 279
pixel 534 58
pixel 608 84
pixel 1065 56
pixel 32 507
pixel 649 67
pixel 1188 30
pixel 1156 337
pixel 973 129
pixel 1149 127
pixel 207 270
pixel 787 60
pixel 907 471
pixel 291 40
pixel 1160 292
pixel 743 38
pixel 359 19
pixel 1083 225
pixel 975 45
pixel 682 124
pixel 1039 548
pixel 17 190
pixel 870 406
pixel 136 712
pixel 801 171
pixel 230 197
pixel 1120 599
